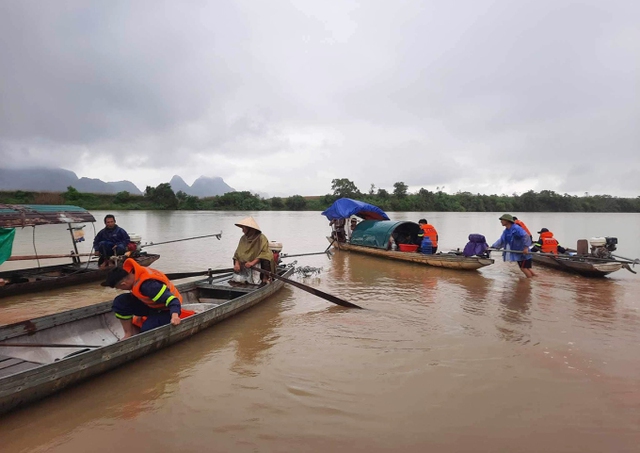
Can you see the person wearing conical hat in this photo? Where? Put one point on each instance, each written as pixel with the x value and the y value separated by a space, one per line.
pixel 253 249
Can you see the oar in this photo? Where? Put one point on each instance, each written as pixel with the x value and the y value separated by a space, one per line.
pixel 284 255
pixel 327 249
pixel 42 257
pixel 178 275
pixel 314 291
pixel 217 235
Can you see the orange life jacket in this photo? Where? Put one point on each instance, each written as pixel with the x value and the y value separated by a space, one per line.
pixel 430 232
pixel 143 274
pixel 521 224
pixel 549 243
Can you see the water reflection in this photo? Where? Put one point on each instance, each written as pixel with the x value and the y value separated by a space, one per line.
pixel 258 334
pixel 515 301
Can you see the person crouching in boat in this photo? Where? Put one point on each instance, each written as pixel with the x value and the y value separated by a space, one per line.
pixel 152 295
pixel 253 249
pixel 111 240
pixel 515 238
pixel 546 243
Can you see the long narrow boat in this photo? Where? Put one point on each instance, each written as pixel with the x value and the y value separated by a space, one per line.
pixel 373 237
pixel 44 355
pixel 583 265
pixel 446 260
pixel 45 278
pixel 23 281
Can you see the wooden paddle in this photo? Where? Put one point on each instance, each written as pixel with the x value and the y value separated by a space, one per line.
pixel 314 291
pixel 284 255
pixel 178 275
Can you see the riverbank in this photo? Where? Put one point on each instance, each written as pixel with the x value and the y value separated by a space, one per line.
pixel 162 197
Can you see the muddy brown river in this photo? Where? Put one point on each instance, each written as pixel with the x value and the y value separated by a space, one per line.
pixel 440 360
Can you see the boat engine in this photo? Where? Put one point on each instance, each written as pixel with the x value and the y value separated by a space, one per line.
pixel 276 248
pixel 134 243
pixel 602 247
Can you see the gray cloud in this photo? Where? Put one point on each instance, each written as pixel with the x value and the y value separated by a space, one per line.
pixel 488 96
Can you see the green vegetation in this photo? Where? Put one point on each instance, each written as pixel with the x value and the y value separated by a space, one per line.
pixel 162 197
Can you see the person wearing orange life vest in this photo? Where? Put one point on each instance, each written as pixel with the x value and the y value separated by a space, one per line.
pixel 428 230
pixel 152 295
pixel 521 224
pixel 546 243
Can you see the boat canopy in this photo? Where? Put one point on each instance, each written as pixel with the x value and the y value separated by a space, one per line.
pixel 344 208
pixel 21 215
pixel 376 233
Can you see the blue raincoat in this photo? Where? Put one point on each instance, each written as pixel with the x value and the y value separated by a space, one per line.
pixel 514 238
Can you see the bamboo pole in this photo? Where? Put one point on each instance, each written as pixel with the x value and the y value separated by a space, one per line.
pixel 42 257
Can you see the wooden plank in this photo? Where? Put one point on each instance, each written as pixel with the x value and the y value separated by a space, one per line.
pixel 17 368
pixel 4 357
pixel 9 363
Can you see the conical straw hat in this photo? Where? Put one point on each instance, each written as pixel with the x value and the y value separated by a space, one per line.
pixel 249 222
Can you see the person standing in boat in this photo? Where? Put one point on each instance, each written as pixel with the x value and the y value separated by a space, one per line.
pixel 111 240
pixel 428 230
pixel 353 223
pixel 521 224
pixel 515 238
pixel 546 243
pixel 151 294
pixel 338 232
pixel 253 249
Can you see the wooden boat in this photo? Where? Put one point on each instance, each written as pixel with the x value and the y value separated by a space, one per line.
pixel 583 265
pixel 372 236
pixel 53 352
pixel 447 260
pixel 22 281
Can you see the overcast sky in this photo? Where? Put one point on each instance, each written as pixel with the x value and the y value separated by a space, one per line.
pixel 280 97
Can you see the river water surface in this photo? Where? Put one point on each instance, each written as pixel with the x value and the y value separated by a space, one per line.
pixel 441 360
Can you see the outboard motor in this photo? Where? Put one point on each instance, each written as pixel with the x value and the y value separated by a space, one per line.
pixel 477 246
pixel 134 243
pixel 276 248
pixel 601 247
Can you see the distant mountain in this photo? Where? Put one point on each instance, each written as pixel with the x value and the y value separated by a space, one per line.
pixel 178 184
pixel 57 180
pixel 90 185
pixel 202 187
pixel 208 187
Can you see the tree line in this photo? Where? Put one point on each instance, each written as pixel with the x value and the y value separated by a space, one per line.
pixel 162 197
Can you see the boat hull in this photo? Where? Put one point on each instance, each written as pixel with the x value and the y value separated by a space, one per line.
pixel 59 276
pixel 449 261
pixel 90 325
pixel 584 267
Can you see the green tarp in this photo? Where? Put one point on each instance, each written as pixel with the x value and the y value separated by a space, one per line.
pixel 6 243
pixel 375 233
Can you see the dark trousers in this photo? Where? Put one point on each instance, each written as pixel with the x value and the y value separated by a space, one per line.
pixel 127 305
pixel 105 248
